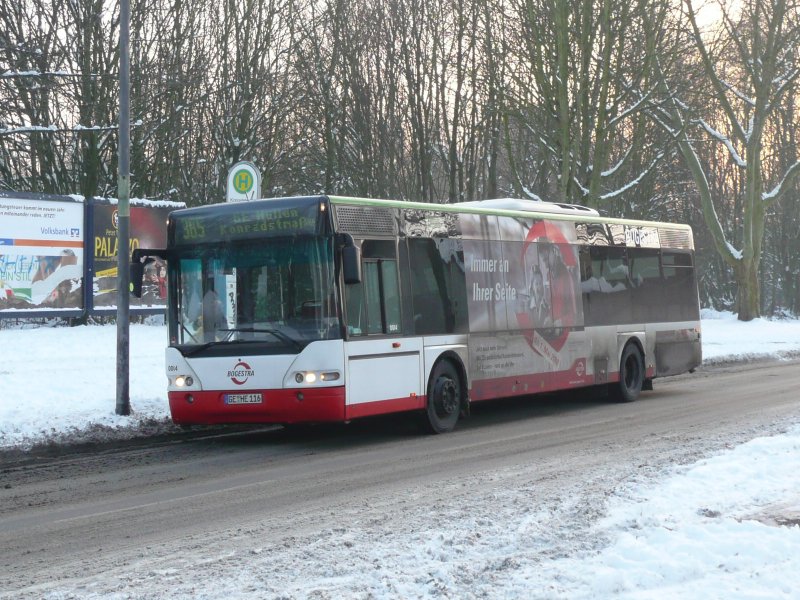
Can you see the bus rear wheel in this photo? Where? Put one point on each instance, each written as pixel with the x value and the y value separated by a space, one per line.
pixel 443 405
pixel 631 376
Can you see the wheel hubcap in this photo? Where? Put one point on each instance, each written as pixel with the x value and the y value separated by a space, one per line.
pixel 446 398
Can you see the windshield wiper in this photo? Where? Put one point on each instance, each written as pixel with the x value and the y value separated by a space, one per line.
pixel 200 348
pixel 274 332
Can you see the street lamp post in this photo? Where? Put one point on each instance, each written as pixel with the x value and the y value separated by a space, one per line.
pixel 124 214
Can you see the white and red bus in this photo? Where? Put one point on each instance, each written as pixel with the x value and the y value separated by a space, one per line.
pixel 325 308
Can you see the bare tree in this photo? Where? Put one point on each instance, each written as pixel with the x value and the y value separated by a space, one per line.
pixel 93 54
pixel 579 93
pixel 781 272
pixel 752 68
pixel 33 74
pixel 254 93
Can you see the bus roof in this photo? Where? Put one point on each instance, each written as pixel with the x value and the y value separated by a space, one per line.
pixel 535 206
pixel 511 207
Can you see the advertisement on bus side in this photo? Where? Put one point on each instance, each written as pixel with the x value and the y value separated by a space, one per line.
pixel 524 303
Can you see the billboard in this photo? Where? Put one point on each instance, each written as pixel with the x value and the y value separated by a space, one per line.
pixel 148 229
pixel 41 253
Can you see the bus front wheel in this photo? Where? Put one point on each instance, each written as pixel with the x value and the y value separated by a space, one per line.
pixel 443 405
pixel 631 375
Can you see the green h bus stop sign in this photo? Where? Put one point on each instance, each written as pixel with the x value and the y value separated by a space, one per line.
pixel 244 182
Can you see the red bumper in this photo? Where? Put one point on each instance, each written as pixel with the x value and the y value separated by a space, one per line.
pixel 278 406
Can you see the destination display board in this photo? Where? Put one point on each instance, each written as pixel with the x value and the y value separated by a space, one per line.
pixel 256 219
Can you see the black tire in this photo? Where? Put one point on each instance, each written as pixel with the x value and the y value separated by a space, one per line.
pixel 443 405
pixel 631 376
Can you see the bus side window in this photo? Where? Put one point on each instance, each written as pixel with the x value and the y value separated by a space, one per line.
pixel 605 285
pixel 680 288
pixel 438 285
pixel 428 287
pixel 391 296
pixel 646 290
pixel 373 306
pixel 354 306
pixel 372 287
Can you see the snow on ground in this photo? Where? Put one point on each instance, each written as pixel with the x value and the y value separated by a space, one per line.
pixel 59 384
pixel 726 339
pixel 698 534
pixel 725 527
pixel 692 534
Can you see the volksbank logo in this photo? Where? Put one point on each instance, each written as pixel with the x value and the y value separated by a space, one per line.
pixel 55 231
pixel 73 232
pixel 241 373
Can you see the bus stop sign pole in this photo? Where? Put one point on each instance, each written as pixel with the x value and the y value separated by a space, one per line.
pixel 124 214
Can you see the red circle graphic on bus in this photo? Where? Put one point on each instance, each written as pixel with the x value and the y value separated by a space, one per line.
pixel 554 305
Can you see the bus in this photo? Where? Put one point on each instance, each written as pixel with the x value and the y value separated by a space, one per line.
pixel 328 309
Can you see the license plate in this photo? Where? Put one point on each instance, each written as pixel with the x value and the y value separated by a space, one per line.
pixel 243 399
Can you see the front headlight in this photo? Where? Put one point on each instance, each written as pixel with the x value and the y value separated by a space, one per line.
pixel 183 381
pixel 311 377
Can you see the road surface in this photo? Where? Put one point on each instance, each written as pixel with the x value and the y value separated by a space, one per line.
pixel 92 514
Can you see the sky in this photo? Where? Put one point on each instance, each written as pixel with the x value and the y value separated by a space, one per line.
pixel 726 526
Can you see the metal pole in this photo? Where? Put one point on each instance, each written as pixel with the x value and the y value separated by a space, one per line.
pixel 124 214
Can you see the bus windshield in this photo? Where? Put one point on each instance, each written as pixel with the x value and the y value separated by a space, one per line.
pixel 277 294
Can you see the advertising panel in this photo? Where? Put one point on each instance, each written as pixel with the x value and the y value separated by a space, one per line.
pixel 525 309
pixel 148 229
pixel 41 254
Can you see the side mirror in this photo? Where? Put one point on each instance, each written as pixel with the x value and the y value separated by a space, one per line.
pixel 351 264
pixel 137 276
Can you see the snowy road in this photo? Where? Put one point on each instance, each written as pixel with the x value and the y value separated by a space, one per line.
pixel 269 513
